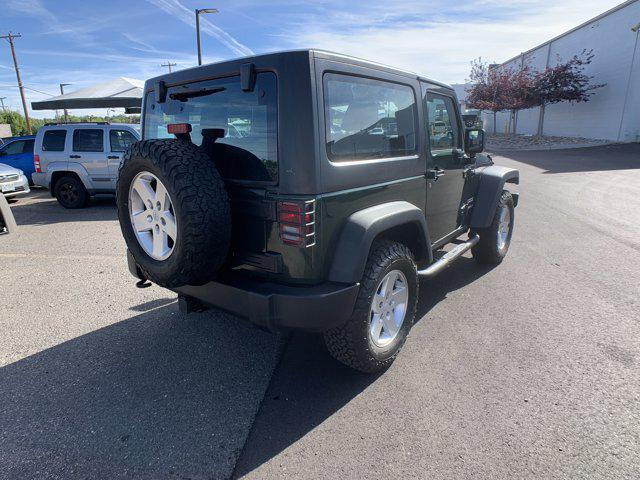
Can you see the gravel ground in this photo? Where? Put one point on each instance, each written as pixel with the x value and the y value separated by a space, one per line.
pixel 498 142
pixel 527 370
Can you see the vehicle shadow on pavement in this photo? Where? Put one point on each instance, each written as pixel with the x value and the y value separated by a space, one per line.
pixel 464 271
pixel 47 211
pixel 591 159
pixel 309 386
pixel 159 395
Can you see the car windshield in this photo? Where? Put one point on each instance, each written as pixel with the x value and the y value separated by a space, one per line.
pixel 237 129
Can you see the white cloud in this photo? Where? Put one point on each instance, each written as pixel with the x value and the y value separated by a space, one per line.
pixel 436 38
pixel 174 7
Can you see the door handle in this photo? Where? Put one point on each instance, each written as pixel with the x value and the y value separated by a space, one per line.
pixel 435 174
pixel 75 156
pixel 113 157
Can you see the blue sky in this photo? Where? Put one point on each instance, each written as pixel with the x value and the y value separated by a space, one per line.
pixel 85 42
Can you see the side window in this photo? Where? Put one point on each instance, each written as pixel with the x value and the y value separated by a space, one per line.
pixel 444 131
pixel 88 140
pixel 367 119
pixel 120 140
pixel 53 140
pixel 28 146
pixel 14 148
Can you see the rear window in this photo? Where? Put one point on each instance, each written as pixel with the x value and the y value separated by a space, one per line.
pixel 88 140
pixel 237 129
pixel 53 140
pixel 367 119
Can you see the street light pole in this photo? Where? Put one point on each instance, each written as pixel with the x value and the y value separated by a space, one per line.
pixel 2 102
pixel 198 12
pixel 66 114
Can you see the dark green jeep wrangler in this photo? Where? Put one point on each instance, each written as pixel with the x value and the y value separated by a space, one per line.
pixel 309 190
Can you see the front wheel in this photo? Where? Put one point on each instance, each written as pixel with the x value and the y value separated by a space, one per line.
pixel 384 312
pixel 496 238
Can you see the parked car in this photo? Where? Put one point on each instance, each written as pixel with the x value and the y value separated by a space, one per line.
pixel 7 222
pixel 18 152
pixel 13 181
pixel 300 224
pixel 78 160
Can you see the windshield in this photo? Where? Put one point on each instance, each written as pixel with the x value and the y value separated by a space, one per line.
pixel 237 129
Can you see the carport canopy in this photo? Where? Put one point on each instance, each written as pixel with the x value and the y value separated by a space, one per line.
pixel 121 92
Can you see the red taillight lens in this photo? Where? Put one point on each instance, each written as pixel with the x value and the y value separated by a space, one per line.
pixel 297 223
pixel 36 163
pixel 178 128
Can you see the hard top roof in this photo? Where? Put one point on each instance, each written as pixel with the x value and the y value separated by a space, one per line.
pixel 317 54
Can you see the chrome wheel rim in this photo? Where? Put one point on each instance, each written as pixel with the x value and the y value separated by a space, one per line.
pixel 152 216
pixel 388 308
pixel 503 227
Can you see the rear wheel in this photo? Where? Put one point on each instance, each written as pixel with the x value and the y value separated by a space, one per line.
pixel 384 312
pixel 496 238
pixel 71 193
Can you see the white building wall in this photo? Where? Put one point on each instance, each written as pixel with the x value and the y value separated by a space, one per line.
pixel 616 63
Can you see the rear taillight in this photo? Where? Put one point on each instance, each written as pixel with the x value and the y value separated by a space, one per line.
pixel 297 223
pixel 36 163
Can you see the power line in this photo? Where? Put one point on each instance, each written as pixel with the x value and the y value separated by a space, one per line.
pixel 169 64
pixel 10 38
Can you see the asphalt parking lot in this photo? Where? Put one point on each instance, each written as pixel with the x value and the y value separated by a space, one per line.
pixel 527 370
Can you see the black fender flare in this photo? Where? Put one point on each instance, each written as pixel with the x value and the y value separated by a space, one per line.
pixel 360 230
pixel 490 187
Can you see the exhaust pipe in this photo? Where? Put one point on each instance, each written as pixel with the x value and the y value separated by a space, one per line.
pixel 449 257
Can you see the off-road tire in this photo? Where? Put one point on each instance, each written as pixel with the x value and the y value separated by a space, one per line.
pixel 79 199
pixel 486 251
pixel 351 343
pixel 201 208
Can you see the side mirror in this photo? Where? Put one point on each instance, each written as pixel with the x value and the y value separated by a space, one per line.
pixel 473 141
pixel 7 222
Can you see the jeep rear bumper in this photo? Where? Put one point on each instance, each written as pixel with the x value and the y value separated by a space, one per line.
pixel 272 305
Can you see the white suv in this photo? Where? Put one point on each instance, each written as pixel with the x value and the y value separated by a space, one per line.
pixel 79 160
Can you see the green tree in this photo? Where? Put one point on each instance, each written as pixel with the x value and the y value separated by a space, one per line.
pixel 16 121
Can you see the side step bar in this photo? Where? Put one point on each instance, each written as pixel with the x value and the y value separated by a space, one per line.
pixel 449 257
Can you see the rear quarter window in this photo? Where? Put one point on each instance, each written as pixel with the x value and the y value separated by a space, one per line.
pixel 53 140
pixel 120 140
pixel 368 119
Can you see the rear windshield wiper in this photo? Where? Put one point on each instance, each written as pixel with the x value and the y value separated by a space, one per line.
pixel 187 94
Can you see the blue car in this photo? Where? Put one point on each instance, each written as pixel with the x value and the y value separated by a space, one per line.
pixel 17 152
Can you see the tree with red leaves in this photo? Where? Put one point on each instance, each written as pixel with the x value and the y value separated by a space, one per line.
pixel 499 88
pixel 566 82
pixel 488 89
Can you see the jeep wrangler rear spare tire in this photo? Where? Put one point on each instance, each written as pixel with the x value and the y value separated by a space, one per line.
pixel 174 212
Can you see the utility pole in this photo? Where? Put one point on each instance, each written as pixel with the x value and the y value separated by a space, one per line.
pixel 4 109
pixel 200 11
pixel 66 113
pixel 10 38
pixel 168 64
